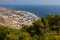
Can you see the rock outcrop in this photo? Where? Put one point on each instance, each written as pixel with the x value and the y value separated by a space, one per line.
pixel 15 18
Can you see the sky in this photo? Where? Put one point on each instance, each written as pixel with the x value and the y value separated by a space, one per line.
pixel 30 2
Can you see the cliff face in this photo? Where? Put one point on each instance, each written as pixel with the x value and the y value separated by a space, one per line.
pixel 15 18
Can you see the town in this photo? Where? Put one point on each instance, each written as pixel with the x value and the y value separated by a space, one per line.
pixel 15 18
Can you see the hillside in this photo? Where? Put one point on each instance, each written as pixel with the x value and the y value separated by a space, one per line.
pixel 46 28
pixel 15 19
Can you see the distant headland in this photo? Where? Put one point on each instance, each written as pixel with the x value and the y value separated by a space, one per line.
pixel 15 19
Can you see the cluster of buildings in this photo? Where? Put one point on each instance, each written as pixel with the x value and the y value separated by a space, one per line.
pixel 18 17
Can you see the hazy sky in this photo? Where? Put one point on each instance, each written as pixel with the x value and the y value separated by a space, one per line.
pixel 31 2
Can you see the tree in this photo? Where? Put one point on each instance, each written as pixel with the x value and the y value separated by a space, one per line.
pixel 11 36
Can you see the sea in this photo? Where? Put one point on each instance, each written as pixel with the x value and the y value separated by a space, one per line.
pixel 39 10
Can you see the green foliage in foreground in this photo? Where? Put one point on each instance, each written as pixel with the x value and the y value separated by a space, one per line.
pixel 46 28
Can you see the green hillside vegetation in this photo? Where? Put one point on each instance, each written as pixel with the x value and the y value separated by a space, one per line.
pixel 46 28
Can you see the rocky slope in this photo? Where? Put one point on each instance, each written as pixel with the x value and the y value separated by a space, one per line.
pixel 15 18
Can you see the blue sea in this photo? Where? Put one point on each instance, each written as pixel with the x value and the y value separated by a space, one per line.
pixel 39 10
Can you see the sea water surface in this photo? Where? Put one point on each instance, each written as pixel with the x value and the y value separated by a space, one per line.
pixel 39 10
